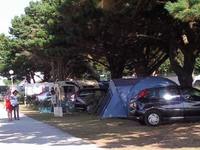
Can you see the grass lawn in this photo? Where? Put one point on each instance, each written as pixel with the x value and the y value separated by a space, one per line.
pixel 123 134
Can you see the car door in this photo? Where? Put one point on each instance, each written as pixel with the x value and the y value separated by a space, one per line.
pixel 171 103
pixel 191 97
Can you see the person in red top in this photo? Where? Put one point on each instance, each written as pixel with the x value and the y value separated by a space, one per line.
pixel 9 108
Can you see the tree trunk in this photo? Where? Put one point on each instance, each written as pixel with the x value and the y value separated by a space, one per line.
pixel 57 69
pixel 142 71
pixel 185 79
pixel 184 72
pixel 116 67
pixel 53 71
pixel 60 69
pixel 117 72
pixel 93 72
pixel 47 76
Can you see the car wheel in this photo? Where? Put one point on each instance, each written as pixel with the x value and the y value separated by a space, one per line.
pixel 152 118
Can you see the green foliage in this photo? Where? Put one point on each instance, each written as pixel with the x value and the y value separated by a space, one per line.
pixel 31 35
pixel 7 54
pixel 51 30
pixel 184 10
pixel 132 36
pixel 29 28
pixel 197 66
pixel 165 68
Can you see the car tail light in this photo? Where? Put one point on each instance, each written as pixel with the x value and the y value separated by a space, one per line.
pixel 142 94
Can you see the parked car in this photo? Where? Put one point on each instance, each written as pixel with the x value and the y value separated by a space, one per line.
pixel 155 105
pixel 89 99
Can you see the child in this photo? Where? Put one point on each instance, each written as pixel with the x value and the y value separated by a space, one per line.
pixel 9 108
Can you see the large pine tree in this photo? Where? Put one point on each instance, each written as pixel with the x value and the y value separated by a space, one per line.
pixel 184 38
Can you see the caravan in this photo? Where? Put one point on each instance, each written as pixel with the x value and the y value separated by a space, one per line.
pixel 38 88
pixel 65 96
pixel 64 88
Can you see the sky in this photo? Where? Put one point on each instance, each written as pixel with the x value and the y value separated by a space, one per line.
pixel 9 9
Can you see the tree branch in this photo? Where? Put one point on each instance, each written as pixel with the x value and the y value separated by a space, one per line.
pixel 97 61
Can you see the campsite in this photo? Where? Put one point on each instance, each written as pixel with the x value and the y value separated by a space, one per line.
pixel 122 74
pixel 110 127
pixel 112 104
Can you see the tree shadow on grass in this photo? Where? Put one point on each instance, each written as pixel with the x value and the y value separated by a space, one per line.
pixel 123 133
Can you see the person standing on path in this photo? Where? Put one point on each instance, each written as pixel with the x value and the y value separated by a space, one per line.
pixel 15 104
pixel 8 107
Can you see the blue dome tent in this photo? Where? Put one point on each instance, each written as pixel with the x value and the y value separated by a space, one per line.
pixel 121 91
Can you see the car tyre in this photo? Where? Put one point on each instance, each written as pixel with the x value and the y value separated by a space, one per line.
pixel 152 118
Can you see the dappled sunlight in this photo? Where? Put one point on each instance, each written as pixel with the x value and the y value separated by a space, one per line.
pixel 120 134
pixel 166 136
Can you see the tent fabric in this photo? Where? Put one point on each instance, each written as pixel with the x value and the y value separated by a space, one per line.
pixel 122 90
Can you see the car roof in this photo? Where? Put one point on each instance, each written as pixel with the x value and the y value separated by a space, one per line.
pixel 172 86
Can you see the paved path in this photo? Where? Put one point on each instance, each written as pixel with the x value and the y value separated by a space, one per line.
pixel 29 134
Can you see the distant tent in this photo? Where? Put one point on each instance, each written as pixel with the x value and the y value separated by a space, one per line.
pixel 121 91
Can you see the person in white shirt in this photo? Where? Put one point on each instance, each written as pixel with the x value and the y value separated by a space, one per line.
pixel 15 104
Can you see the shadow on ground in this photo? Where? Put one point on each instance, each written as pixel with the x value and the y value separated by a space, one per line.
pixel 123 133
pixel 20 131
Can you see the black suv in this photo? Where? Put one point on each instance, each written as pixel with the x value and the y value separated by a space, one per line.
pixel 152 106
